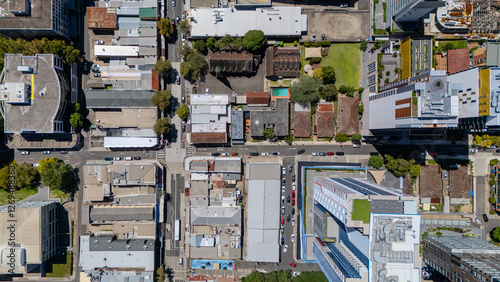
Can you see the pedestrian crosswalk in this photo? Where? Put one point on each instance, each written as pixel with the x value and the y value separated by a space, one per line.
pixel 190 150
pixel 160 154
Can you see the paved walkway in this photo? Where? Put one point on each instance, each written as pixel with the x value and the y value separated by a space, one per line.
pixel 42 195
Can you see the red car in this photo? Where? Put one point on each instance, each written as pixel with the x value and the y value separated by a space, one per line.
pixel 235 154
pixel 293 194
pixel 293 202
pixel 293 264
pixel 331 153
pixel 282 221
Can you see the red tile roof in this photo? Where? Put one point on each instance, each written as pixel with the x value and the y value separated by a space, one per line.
pixel 231 62
pixel 458 60
pixel 325 120
pixel 460 183
pixel 430 181
pixel 99 18
pixel 283 62
pixel 302 124
pixel 155 83
pixel 348 117
pixel 208 138
pixel 258 98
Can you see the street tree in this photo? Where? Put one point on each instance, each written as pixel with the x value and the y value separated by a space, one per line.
pixel 162 99
pixel 163 67
pixel 194 67
pixel 399 167
pixel 254 40
pixel 363 46
pixel 356 137
pixel 495 234
pixel 76 120
pixel 200 46
pixel 165 27
pixel 376 161
pixel 185 27
pixel 162 126
pixel 306 91
pixel 57 175
pixel 341 137
pixel 183 112
pixel 26 176
pixel 328 75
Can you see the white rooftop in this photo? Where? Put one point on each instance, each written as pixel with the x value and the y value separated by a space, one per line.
pixel 116 51
pixel 130 142
pixel 209 99
pixel 273 21
pixel 208 127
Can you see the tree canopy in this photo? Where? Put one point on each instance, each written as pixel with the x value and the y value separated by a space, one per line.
pixel 318 73
pixel 306 91
pixel 27 176
pixel 254 40
pixel 163 67
pixel 356 137
pixel 399 167
pixel 185 26
pixel 376 161
pixel 162 126
pixel 328 75
pixel 165 27
pixel 484 141
pixel 329 93
pixel 76 120
pixel 348 90
pixel 268 132
pixel 363 46
pixel 162 99
pixel 495 234
pixel 194 67
pixel 183 112
pixel 57 175
pixel 341 137
pixel 200 46
pixel 414 172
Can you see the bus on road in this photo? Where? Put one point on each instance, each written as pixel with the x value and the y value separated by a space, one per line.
pixel 177 230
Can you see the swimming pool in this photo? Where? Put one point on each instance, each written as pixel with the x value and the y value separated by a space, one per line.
pixel 279 91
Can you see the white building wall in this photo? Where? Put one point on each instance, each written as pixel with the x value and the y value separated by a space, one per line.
pixel 468 93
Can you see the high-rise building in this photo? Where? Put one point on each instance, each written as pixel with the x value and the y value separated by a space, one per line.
pixel 30 19
pixel 364 231
pixel 462 258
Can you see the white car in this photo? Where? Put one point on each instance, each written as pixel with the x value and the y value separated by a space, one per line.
pixel 285 249
pixel 117 158
pixel 315 154
pixel 282 230
pixel 293 186
pixel 183 37
pixel 283 201
pixel 284 171
pixel 25 153
pixel 283 208
pixel 293 238
pixel 293 224
pixel 477 221
pixel 225 154
pixel 283 189
pixel 207 90
pixel 296 273
pixel 264 154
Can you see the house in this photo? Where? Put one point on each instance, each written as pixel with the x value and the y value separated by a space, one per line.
pixel 458 60
pixel 325 124
pixel 282 62
pixel 348 117
pixel 277 117
pixel 302 121
pixel 258 99
pixel 232 63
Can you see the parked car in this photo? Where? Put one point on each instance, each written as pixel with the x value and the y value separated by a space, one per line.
pixel 108 159
pixel 173 3
pixel 293 224
pixel 183 16
pixel 206 90
pixel 293 264
pixel 293 194
pixel 265 154
pixel 117 158
pixel 64 152
pixel 276 153
pixel 183 128
pixel 293 211
pixel 128 158
pixel 283 201
pixel 498 150
pixel 293 178
pixel 287 218
pixel 356 145
pixel 282 220
pixel 314 37
pixel 254 154
pixel 225 154
pixel 485 217
pixel 178 80
pixel 314 154
pixel 373 153
pixel 290 168
pixel 183 99
pixel 323 37
pixel 100 42
pixel 445 174
pixel 283 208
pixel 46 152
pixel 284 181
pixel 339 153
pixel 301 151
pixel 283 170
pixel 25 152
pixel 343 5
pixel 473 151
pixel 234 154
pixel 293 187
pixel 288 199
pixel 322 154
pixel 330 153
pixel 285 248
pixel 97 75
pixel 84 67
pixel 282 241
pixel 293 202
pixel 283 190
pixel 215 154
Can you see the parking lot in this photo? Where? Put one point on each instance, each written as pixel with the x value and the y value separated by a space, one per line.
pixel 338 26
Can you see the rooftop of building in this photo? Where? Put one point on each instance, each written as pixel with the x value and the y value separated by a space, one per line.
pixel 208 138
pixel 276 116
pixel 125 230
pixel 302 124
pixel 231 62
pixel 204 3
pixel 258 98
pixel 430 181
pixel 119 99
pixel 283 62
pixel 348 117
pixel 458 60
pixel 121 275
pixel 32 99
pixel 35 15
pixel 460 182
pixel 216 216
pixel 101 18
pixel 463 245
pixel 325 120
pixel 273 21
pixel 127 118
pixel 237 130
pixel 110 213
pixel 356 186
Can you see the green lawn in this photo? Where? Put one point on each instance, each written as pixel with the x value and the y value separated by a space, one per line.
pixel 345 58
pixel 20 194
pixel 361 210
pixel 54 193
pixel 60 266
pixel 316 276
pixel 451 45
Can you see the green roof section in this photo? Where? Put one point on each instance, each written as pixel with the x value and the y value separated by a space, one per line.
pixel 361 210
pixel 149 12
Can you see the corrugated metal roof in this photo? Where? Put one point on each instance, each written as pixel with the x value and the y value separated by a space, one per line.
pixel 121 213
pixel 216 216
pixel 149 12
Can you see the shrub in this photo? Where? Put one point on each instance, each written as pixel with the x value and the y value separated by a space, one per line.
pixel 315 60
pixel 493 162
pixel 341 137
pixel 295 43
pixel 325 43
pixel 439 233
pixel 387 73
pixel 492 182
pixel 492 200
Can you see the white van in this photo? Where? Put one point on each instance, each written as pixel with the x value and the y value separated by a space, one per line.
pixel 180 261
pixel 128 158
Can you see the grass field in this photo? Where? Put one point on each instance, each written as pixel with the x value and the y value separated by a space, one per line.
pixel 345 58
pixel 60 266
pixel 361 210
pixel 54 193
pixel 19 195
pixel 316 276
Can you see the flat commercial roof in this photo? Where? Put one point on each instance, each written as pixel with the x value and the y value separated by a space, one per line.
pixel 216 216
pixel 48 89
pixel 278 117
pixel 101 18
pixel 366 188
pixel 130 142
pixel 116 51
pixel 121 213
pixel 273 21
pixel 40 17
pixel 119 99
pixel 128 117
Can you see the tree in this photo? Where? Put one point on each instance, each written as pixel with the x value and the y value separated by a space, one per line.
pixel 376 161
pixel 329 93
pixel 484 141
pixel 55 174
pixel 237 44
pixel 306 91
pixel 288 139
pixel 328 75
pixel 492 200
pixel 363 46
pixel 211 43
pixel 26 176
pixel 183 112
pixel 361 110
pixel 254 40
pixel 348 90
pixel 318 73
pixel 356 137
pixel 194 67
pixel 76 120
pixel 495 234
pixel 163 67
pixel 160 274
pixel 185 27
pixel 76 107
pixel 162 126
pixel 254 276
pixel 200 46
pixel 493 162
pixel 185 51
pixel 165 27
pixel 162 99
pixel 414 172
pixel 341 137
pixel 224 43
pixel 268 132
pixel 399 167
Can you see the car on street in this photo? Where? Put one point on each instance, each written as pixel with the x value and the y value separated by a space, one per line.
pixel 100 42
pixel 293 236
pixel 282 189
pixel 356 145
pixel 485 217
pixel 343 5
pixel 314 37
pixel 301 151
pixel 173 3
pixel 64 152
pixel 207 90
pixel 276 153
pixel 225 154
pixel 283 208
pixel 173 23
pixel 293 211
pixel 282 241
pixel 283 200
pixel 137 158
pixel 473 151
pixel 117 158
pixel 282 230
pixel 330 153
pixel 283 171
pixel 290 168
pixel 323 37
pixel 25 153
pixel 293 178
pixel 287 218
pixel 84 67
pixel 178 80
pixel 373 153
pixel 108 159
pixel 293 194
pixel 284 181
pixel 183 16
pixel 183 36
pixel 97 75
pixel 183 99
pixel 128 158
pixel 215 154
pixel 288 199
pixel 498 150
pixel 445 174
pixel 339 153
pixel 46 152
pixel 293 184
pixel 265 154
pixel 293 264
pixel 282 221
pixel 254 154
pixel 235 154
pixel 285 249
pixel 314 154
pixel 322 154
pixel 293 202
pixel 293 224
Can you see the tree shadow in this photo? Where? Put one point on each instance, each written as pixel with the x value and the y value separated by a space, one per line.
pixel 169 273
